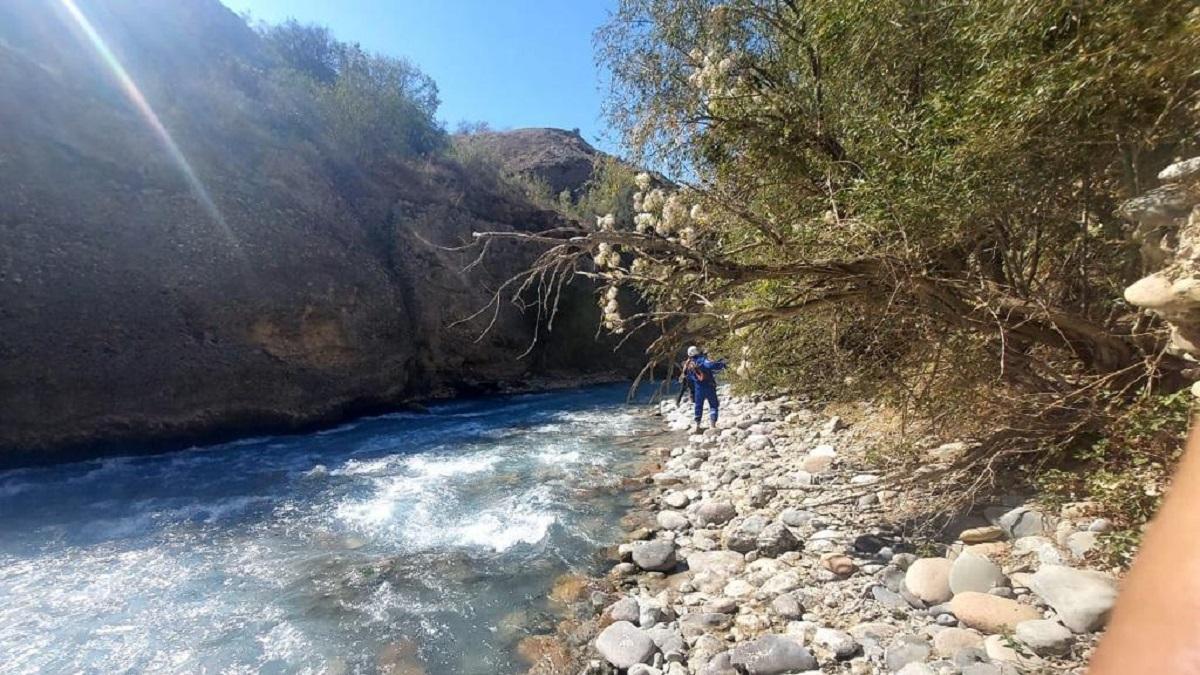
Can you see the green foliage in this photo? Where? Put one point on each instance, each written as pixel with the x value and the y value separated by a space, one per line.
pixel 974 155
pixel 915 199
pixel 370 107
pixel 1126 469
pixel 610 190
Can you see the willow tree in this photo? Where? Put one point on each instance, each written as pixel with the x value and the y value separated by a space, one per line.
pixel 908 197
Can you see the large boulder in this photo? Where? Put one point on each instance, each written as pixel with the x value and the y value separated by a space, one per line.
pixel 929 580
pixel 771 655
pixel 623 645
pixel 1082 598
pixel 990 613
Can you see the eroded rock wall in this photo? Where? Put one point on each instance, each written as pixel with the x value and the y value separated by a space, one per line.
pixel 1168 228
pixel 130 315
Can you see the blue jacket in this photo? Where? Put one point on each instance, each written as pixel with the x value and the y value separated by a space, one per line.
pixel 706 367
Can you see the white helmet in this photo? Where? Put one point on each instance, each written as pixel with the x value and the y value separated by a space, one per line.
pixel 693 351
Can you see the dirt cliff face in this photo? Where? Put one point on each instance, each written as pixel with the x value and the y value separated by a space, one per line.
pixel 130 314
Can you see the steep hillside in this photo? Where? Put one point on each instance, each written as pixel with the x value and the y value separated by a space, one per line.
pixel 130 313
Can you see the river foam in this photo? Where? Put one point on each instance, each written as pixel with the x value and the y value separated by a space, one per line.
pixel 401 534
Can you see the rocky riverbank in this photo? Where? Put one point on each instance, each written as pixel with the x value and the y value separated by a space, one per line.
pixel 768 545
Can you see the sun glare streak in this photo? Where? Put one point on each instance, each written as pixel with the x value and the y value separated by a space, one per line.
pixel 143 106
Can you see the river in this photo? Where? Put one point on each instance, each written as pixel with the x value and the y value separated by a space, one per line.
pixel 418 541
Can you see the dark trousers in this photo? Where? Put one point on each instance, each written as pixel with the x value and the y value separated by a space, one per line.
pixel 702 394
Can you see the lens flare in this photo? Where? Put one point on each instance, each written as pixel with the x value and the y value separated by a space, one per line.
pixel 143 106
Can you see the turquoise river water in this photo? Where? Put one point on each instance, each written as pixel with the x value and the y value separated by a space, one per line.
pixel 406 541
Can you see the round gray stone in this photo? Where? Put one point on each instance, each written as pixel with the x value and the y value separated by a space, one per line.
pixel 771 655
pixel 623 645
pixel 1045 637
pixel 625 609
pixel 711 513
pixel 972 572
pixel 654 556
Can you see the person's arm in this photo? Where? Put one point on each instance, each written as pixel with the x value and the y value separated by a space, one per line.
pixel 715 366
pixel 1155 626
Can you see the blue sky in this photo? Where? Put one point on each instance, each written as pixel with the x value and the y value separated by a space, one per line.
pixel 510 63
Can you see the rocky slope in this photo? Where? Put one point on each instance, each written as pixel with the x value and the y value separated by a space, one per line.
pixel 560 159
pixel 767 546
pixel 131 314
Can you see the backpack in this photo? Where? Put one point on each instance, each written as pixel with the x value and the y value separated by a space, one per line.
pixel 690 366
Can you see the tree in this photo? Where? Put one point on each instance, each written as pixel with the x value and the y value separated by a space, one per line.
pixel 912 197
pixel 372 106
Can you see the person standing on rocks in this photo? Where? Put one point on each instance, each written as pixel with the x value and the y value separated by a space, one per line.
pixel 701 372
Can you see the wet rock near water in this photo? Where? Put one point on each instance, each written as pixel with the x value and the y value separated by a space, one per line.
pixel 623 645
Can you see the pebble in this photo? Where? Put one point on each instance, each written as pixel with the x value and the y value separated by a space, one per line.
pixel 672 520
pixel 796 517
pixel 817 464
pixel 776 539
pixel 888 598
pixel 1045 550
pixel 905 650
pixel 1023 522
pixel 711 513
pixel 1188 168
pixel 949 642
pixel 757 442
pixel 625 609
pixel 787 607
pixel 1081 543
pixel 982 535
pixel 724 563
pixel 654 556
pixel 677 500
pixel 1045 637
pixel 841 644
pixel 840 565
